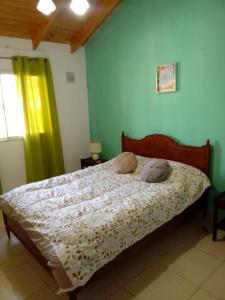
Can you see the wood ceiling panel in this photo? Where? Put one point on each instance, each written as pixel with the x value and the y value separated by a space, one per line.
pixel 22 32
pixel 41 33
pixel 68 20
pixel 21 13
pixel 20 18
pixel 67 15
pixel 20 3
pixel 26 26
pixel 58 35
pixel 4 21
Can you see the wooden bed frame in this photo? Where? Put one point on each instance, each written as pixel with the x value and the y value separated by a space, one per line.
pixel 158 146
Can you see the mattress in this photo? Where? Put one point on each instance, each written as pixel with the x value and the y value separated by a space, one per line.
pixel 82 220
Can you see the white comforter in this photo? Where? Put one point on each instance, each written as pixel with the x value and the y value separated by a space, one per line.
pixel 88 217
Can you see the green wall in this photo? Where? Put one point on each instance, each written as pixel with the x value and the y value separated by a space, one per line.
pixel 121 66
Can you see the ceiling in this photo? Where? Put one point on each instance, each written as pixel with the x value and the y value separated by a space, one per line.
pixel 20 18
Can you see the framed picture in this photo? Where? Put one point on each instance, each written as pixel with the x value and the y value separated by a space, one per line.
pixel 166 78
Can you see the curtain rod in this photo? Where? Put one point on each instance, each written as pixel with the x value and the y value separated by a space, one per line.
pixel 33 58
pixel 5 57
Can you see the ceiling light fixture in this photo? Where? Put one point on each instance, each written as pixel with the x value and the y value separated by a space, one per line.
pixel 46 6
pixel 79 6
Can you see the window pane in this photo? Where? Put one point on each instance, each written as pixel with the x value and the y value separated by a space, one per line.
pixel 3 132
pixel 12 106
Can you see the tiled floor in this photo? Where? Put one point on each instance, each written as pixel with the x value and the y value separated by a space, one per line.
pixel 184 264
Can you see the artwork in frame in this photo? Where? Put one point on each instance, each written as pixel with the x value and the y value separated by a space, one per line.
pixel 166 78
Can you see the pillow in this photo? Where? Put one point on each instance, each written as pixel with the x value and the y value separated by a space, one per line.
pixel 124 163
pixel 156 170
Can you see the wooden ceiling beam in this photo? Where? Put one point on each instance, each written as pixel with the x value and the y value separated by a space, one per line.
pixel 95 20
pixel 41 33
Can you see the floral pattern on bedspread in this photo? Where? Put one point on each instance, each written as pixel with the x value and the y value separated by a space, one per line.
pixel 90 216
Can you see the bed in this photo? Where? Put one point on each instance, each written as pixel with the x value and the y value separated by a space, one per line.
pixel 77 225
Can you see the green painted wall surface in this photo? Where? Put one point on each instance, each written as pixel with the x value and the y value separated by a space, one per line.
pixel 121 66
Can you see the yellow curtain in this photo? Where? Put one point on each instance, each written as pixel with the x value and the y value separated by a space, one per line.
pixel 42 142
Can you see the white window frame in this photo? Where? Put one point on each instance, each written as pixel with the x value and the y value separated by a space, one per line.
pixel 6 68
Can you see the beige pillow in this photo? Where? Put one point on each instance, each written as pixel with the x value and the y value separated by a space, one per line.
pixel 156 170
pixel 124 163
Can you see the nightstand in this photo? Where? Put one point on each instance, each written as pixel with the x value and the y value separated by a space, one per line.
pixel 219 204
pixel 87 162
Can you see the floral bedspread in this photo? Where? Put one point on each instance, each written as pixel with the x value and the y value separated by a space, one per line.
pixel 90 216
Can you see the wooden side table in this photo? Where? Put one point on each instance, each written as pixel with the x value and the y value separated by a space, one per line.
pixel 219 204
pixel 87 162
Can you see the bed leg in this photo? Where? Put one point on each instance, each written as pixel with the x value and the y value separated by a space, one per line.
pixel 6 225
pixel 205 202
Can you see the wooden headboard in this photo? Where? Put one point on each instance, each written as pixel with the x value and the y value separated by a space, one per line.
pixel 162 146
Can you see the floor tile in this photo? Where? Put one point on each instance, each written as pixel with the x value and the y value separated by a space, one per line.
pixel 62 296
pixel 191 232
pixel 202 295
pixel 216 249
pixel 4 240
pixel 190 263
pixel 45 294
pixel 162 245
pixel 100 289
pixel 137 264
pixel 159 283
pixel 12 253
pixel 122 295
pixel 216 283
pixel 19 283
pixel 129 269
pixel 43 274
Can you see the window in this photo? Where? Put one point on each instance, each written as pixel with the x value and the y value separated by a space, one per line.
pixel 11 112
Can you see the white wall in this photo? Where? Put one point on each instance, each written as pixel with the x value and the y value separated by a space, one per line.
pixel 72 105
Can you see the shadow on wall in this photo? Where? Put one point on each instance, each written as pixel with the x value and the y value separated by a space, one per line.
pixel 216 167
pixel 216 170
